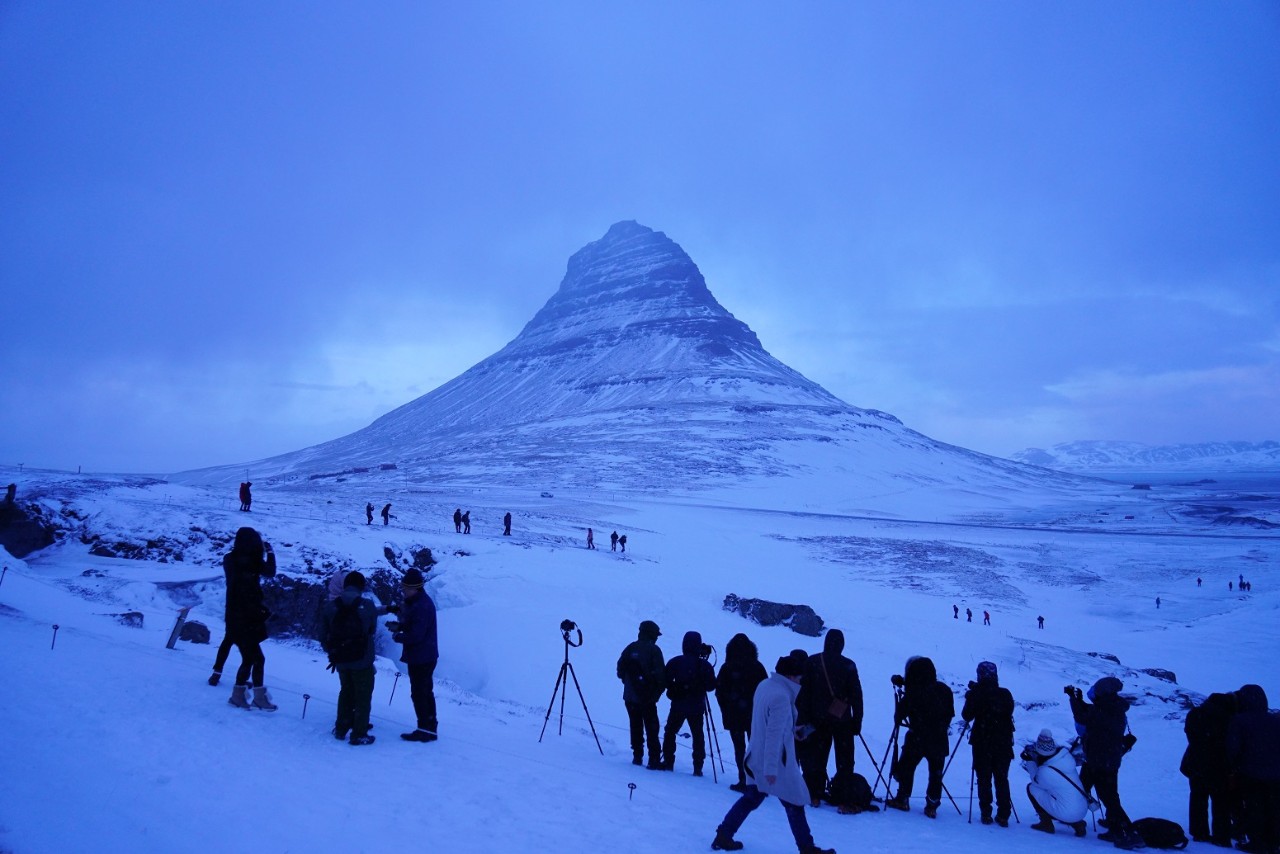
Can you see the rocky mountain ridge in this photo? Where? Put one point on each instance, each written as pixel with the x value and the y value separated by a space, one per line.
pixel 1103 456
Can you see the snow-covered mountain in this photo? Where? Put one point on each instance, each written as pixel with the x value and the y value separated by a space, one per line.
pixel 634 376
pixel 1100 457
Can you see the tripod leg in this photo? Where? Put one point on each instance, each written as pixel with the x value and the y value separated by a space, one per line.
pixel 872 757
pixel 554 691
pixel 953 800
pixel 893 740
pixel 714 733
pixel 584 707
pixel 959 740
pixel 973 772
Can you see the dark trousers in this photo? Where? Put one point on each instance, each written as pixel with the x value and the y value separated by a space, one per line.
pixel 739 738
pixel 906 772
pixel 675 720
pixel 252 662
pixel 989 771
pixel 423 693
pixel 224 651
pixel 644 728
pixel 354 699
pixel 753 798
pixel 1210 797
pixel 816 749
pixel 1261 812
pixel 1107 785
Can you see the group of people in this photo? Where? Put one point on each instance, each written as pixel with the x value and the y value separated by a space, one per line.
pixel 348 623
pixel 968 614
pixel 615 541
pixel 784 727
pixel 386 514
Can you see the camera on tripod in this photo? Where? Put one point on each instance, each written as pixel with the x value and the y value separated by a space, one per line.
pixel 567 625
pixel 898 681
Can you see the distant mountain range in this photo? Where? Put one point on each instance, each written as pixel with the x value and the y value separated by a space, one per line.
pixel 1098 457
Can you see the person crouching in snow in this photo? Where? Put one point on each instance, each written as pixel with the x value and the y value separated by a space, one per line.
pixel 1055 789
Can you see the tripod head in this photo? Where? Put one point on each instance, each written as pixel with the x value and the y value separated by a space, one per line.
pixel 567 627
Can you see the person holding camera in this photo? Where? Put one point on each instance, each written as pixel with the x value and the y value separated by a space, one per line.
pixel 347 626
pixel 1103 725
pixel 735 689
pixel 416 630
pixel 926 709
pixel 688 679
pixel 831 701
pixel 771 759
pixel 249 561
pixel 642 669
pixel 1055 789
pixel 990 709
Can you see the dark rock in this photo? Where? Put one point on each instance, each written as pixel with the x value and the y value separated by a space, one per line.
pixel 132 619
pixel 1108 656
pixel 295 605
pixel 1166 675
pixel 23 529
pixel 799 618
pixel 194 631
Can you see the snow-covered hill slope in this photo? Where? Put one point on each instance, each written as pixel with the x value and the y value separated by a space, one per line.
pixel 1098 457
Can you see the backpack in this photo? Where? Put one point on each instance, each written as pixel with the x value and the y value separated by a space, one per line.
pixel 851 793
pixel 347 640
pixel 1160 833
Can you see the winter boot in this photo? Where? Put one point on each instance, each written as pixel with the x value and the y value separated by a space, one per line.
pixel 898 803
pixel 262 701
pixel 725 842
pixel 418 735
pixel 358 740
pixel 1044 825
pixel 1002 820
pixel 1079 827
pixel 1131 840
pixel 213 680
pixel 238 698
pixel 813 849
pixel 739 787
pixel 986 818
pixel 931 808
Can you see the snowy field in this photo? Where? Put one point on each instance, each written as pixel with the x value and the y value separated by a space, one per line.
pixel 116 743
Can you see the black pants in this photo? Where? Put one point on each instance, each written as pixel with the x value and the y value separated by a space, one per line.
pixel 739 738
pixel 816 750
pixel 644 728
pixel 422 691
pixel 1107 784
pixel 1261 812
pixel 906 771
pixel 991 771
pixel 675 720
pixel 224 652
pixel 354 699
pixel 252 662
pixel 1210 798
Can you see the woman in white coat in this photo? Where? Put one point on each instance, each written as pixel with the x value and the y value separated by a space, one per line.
pixel 771 764
pixel 1055 789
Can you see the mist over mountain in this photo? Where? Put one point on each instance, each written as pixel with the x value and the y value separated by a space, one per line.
pixel 1100 457
pixel 632 375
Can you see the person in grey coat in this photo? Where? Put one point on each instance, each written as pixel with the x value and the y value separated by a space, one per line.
pixel 771 759
pixel 354 661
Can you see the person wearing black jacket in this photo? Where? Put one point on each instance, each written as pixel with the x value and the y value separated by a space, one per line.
pixel 416 632
pixel 830 701
pixel 249 561
pixel 926 710
pixel 689 677
pixel 1207 770
pixel 1253 750
pixel 735 688
pixel 643 672
pixel 1103 725
pixel 990 709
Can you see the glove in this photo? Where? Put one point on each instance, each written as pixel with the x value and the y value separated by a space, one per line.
pixel 393 625
pixel 393 609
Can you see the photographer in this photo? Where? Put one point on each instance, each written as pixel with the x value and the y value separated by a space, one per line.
pixel 1055 789
pixel 1103 725
pixel 249 561
pixel 831 701
pixel 347 626
pixel 926 709
pixel 990 708
pixel 642 670
pixel 688 679
pixel 416 630
pixel 735 688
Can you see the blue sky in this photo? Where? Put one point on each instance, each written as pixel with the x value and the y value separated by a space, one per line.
pixel 232 230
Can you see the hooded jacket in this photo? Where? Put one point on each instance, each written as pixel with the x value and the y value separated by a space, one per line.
pixel 1102 724
pixel 689 678
pixel 829 675
pixel 245 566
pixel 927 708
pixel 1206 728
pixel 772 749
pixel 418 630
pixel 736 684
pixel 1253 737
pixel 1055 785
pixel 642 668
pixel 990 708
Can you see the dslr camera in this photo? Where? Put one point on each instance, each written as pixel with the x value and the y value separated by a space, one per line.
pixel 897 681
pixel 1072 691
pixel 705 650
pixel 567 625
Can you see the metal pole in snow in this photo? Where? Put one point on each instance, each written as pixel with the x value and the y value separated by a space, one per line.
pixel 394 683
pixel 55 635
pixel 305 698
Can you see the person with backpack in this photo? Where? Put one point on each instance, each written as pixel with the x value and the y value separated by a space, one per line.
pixel 689 676
pixel 622 543
pixel 1253 751
pixel 830 701
pixel 771 759
pixel 1208 771
pixel 416 631
pixel 926 710
pixel 990 709
pixel 249 561
pixel 1103 725
pixel 1055 790
pixel 735 688
pixel 643 672
pixel 347 631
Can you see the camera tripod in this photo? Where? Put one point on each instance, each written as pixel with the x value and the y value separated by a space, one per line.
pixel 562 686
pixel 898 720
pixel 713 739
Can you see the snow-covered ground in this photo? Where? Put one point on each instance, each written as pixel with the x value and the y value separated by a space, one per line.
pixel 116 742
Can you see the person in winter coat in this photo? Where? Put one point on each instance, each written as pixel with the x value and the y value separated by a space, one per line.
pixel 1102 724
pixel 1208 771
pixel 368 513
pixel 1253 749
pixel 416 630
pixel 249 561
pixel 830 701
pixel 643 672
pixel 990 709
pixel 506 525
pixel 613 541
pixel 622 542
pixel 689 677
pixel 386 514
pixel 246 496
pixel 457 520
pixel 466 522
pixel 735 688
pixel 591 539
pixel 347 627
pixel 1055 789
pixel 771 759
pixel 926 709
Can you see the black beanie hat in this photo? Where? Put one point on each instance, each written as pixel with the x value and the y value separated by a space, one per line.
pixel 353 579
pixel 792 664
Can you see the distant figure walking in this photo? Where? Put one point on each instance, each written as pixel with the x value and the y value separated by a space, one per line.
pixel 1040 620
pixel 386 514
pixel 246 497
pixel 466 522
pixel 1199 582
pixel 1229 587
pixel 968 612
pixel 955 612
pixel 506 525
pixel 591 539
pixel 986 618
pixel 368 512
pixel 1157 602
pixel 622 543
pixel 613 541
pixel 457 521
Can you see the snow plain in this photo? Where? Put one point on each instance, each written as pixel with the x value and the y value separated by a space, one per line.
pixel 116 743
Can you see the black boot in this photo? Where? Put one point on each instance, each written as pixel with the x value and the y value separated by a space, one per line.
pixel 725 842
